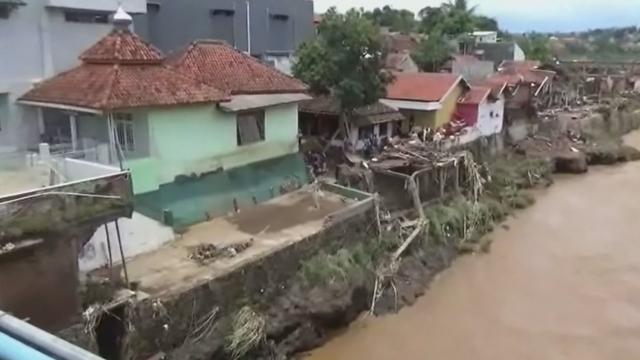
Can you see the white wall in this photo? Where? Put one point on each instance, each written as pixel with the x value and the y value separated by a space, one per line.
pixel 355 132
pixel 490 117
pixel 40 44
pixel 518 54
pixel 74 169
pixel 139 235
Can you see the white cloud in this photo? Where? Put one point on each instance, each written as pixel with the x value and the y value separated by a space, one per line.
pixel 523 15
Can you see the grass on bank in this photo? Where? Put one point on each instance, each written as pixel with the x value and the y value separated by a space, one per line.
pixel 248 331
pixel 457 221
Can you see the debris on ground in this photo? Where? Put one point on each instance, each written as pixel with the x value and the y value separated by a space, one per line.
pixel 206 253
pixel 8 247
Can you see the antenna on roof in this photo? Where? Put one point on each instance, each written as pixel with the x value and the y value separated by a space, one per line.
pixel 122 20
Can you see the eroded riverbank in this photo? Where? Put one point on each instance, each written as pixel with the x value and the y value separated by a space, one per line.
pixel 559 283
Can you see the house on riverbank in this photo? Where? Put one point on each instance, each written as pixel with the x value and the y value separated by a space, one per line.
pixel 426 100
pixel 208 131
pixel 320 118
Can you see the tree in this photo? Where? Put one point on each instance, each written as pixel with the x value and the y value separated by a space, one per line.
pixel 397 20
pixel 536 47
pixel 433 52
pixel 345 60
pixel 485 23
pixel 454 18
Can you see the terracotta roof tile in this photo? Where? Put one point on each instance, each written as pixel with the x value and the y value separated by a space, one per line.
pixel 429 87
pixel 476 95
pixel 122 71
pixel 109 87
pixel 122 47
pixel 497 85
pixel 218 64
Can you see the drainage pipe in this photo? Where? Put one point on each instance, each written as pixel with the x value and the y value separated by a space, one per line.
pixel 42 341
pixel 12 349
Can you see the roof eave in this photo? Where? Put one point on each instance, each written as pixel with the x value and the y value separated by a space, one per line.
pixel 60 106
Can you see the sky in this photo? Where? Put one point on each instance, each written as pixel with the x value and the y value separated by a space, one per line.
pixel 525 15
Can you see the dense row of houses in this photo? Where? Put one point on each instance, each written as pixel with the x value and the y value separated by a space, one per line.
pixel 213 126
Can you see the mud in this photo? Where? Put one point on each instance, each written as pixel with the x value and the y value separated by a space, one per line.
pixel 559 283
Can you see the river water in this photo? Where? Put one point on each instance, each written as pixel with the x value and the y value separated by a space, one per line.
pixel 562 282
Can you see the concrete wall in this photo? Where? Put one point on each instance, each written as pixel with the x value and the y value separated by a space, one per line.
pixel 42 44
pixel 227 19
pixel 74 169
pixel 139 235
pixel 200 139
pixel 259 282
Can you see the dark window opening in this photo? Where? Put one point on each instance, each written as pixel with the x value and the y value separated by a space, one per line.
pixel 153 8
pixel 281 33
pixel 383 129
pixel 87 17
pixel 222 25
pixel 5 11
pixel 365 132
pixel 222 12
pixel 250 127
pixel 110 333
pixel 281 17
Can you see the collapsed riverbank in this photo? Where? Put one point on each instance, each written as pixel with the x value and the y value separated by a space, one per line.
pixel 558 283
pixel 344 282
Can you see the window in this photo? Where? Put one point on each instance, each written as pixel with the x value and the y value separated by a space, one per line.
pixel 365 132
pixel 250 127
pixel 89 17
pixel 491 114
pixel 124 132
pixel 5 10
pixel 222 25
pixel 383 129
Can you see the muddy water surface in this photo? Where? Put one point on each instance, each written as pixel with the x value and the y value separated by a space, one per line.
pixel 562 282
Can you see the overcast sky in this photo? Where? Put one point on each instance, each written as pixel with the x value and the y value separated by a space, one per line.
pixel 526 15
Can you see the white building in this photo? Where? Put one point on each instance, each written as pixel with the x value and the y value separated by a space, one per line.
pixel 485 36
pixel 39 39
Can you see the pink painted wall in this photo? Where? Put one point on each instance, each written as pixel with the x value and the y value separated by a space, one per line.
pixel 469 112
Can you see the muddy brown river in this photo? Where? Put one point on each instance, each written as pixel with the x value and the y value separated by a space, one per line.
pixel 562 282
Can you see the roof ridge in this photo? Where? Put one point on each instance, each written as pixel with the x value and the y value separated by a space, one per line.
pixel 114 76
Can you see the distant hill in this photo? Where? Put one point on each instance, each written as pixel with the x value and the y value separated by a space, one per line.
pixel 612 44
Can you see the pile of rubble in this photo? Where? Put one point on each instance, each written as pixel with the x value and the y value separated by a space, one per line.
pixel 207 253
pixel 413 152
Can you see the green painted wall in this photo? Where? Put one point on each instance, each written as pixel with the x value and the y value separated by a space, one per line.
pixel 192 200
pixel 195 140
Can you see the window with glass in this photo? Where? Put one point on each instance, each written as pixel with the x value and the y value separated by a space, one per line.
pixel 87 17
pixel 250 127
pixel 124 131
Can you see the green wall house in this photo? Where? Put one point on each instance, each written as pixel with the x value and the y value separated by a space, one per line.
pixel 203 132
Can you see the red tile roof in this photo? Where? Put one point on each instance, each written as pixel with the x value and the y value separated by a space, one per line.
pixel 111 87
pixel 476 95
pixel 122 71
pixel 524 64
pixel 122 47
pixel 496 82
pixel 218 64
pixel 428 87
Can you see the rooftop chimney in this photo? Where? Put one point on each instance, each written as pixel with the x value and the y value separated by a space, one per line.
pixel 122 20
